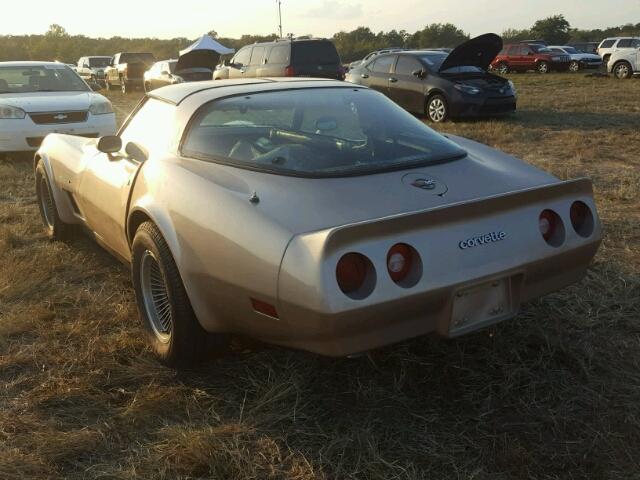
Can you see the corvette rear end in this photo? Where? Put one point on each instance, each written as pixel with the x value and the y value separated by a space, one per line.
pixel 450 270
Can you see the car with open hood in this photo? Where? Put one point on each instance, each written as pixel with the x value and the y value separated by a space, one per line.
pixel 312 213
pixel 38 98
pixel 170 72
pixel 439 84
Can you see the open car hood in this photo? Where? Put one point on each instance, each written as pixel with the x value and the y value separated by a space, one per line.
pixel 477 52
pixel 198 59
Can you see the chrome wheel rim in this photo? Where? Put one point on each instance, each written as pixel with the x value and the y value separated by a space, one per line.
pixel 622 71
pixel 46 203
pixel 503 69
pixel 155 297
pixel 574 67
pixel 436 110
pixel 542 68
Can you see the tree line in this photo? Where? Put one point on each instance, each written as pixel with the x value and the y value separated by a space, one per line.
pixel 58 44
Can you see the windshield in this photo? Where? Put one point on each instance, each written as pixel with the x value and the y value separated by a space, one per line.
pixel 434 60
pixel 315 132
pixel 315 52
pixel 99 62
pixel 41 78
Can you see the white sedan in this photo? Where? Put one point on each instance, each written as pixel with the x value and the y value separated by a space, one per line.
pixel 38 98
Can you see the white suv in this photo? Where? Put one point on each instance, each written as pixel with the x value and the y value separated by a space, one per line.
pixel 625 63
pixel 610 45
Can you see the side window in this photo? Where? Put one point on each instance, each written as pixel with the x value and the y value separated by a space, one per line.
pixel 243 56
pixel 559 50
pixel 279 55
pixel 513 50
pixel 407 65
pixel 624 43
pixel 635 43
pixel 152 126
pixel 607 43
pixel 524 50
pixel 382 64
pixel 256 56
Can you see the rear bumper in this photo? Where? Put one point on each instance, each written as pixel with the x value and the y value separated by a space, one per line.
pixel 459 288
pixel 25 135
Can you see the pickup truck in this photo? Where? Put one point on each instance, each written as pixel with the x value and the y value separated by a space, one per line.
pixel 126 70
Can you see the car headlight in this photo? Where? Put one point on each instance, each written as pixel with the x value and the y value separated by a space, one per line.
pixel 100 107
pixel 470 89
pixel 7 112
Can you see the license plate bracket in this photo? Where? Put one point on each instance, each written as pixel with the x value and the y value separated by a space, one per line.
pixel 481 304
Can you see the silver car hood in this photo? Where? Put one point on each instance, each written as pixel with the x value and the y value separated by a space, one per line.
pixel 309 204
pixel 49 101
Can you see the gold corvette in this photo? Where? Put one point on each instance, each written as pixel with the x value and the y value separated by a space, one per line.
pixel 314 214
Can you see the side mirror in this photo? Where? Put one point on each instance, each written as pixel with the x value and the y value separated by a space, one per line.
pixel 110 144
pixel 136 152
pixel 419 73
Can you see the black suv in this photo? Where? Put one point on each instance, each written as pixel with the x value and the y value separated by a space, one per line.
pixel 284 58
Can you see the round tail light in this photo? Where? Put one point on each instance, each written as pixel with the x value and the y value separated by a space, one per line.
pixel 551 228
pixel 352 271
pixel 399 261
pixel 581 219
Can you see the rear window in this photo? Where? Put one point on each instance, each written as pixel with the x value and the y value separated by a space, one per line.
pixel 607 43
pixel 137 57
pixel 314 53
pixel 382 64
pixel 279 54
pixel 314 132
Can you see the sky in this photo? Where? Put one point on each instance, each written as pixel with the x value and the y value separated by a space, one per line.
pixel 192 18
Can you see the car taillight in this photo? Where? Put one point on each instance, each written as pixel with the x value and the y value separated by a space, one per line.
pixel 399 261
pixel 352 271
pixel 551 228
pixel 289 71
pixel 581 219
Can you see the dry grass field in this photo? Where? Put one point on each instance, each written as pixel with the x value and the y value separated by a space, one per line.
pixel 554 393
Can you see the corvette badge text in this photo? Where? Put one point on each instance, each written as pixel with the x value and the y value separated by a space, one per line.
pixel 482 240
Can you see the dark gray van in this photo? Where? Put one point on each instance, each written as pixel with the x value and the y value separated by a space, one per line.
pixel 316 57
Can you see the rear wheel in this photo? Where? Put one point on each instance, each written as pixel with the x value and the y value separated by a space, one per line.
pixel 543 67
pixel 437 109
pixel 574 66
pixel 175 335
pixel 55 228
pixel 622 70
pixel 123 86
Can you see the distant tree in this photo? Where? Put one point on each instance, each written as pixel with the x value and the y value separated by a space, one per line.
pixel 514 34
pixel 56 30
pixel 438 35
pixel 555 29
pixel 213 34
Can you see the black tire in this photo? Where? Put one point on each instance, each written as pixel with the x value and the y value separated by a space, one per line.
pixel 502 68
pixel 55 228
pixel 622 70
pixel 437 109
pixel 542 67
pixel 574 66
pixel 183 342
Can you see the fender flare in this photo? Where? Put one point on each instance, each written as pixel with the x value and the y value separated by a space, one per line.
pixel 62 201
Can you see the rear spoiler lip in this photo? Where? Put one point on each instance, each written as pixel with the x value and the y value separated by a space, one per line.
pixel 458 210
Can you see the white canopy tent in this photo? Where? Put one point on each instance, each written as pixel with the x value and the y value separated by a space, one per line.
pixel 205 42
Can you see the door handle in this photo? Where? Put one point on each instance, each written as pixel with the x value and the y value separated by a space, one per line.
pixel 393 80
pixel 364 75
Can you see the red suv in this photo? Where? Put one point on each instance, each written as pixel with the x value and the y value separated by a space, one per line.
pixel 520 57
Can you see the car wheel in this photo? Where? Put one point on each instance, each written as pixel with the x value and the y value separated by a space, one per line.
pixel 574 66
pixel 503 68
pixel 437 110
pixel 123 86
pixel 175 335
pixel 55 228
pixel 622 70
pixel 543 67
